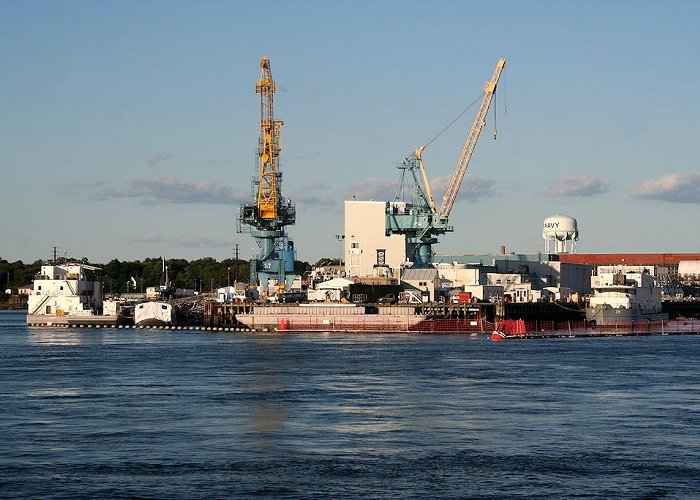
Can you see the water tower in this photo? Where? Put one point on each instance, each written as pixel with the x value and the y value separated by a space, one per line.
pixel 560 234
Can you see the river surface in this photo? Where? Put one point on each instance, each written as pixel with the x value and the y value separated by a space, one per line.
pixel 147 413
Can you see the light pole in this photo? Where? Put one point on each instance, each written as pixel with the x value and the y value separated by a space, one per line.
pixel 340 238
pixel 229 276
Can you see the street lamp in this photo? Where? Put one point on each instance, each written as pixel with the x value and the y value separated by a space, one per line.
pixel 340 238
pixel 229 276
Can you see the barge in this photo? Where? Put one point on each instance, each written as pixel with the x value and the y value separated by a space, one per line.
pixel 339 317
pixel 70 295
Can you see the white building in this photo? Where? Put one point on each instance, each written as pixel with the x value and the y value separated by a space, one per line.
pixel 368 250
pixel 235 293
pixel 66 290
pixel 524 278
pixel 425 281
pixel 688 269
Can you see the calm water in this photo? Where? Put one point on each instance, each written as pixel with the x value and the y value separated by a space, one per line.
pixel 104 413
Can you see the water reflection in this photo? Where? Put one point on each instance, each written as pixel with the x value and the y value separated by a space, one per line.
pixel 55 336
pixel 268 414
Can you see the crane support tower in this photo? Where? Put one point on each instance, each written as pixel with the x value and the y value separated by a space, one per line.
pixel 419 220
pixel 269 214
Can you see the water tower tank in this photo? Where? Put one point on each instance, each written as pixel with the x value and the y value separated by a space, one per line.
pixel 557 231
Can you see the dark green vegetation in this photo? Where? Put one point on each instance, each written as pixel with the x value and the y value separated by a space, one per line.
pixel 202 274
pixel 16 274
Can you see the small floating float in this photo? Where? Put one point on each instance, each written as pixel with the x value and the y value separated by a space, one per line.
pixel 497 336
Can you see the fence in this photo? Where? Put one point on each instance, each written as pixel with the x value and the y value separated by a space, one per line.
pixel 512 328
pixel 516 328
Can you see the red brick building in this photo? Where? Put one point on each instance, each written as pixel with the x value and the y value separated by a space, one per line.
pixel 669 260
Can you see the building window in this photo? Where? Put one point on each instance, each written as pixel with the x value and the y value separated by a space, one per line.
pixel 61 287
pixel 354 244
pixel 39 287
pixel 381 256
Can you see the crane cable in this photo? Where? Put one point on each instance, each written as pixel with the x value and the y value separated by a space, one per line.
pixel 505 91
pixel 495 130
pixel 461 114
pixel 505 103
pixel 454 121
pixel 401 187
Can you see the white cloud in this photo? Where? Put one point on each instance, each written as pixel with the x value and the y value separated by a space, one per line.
pixel 581 185
pixel 474 188
pixel 156 159
pixel 317 193
pixel 162 189
pixel 188 241
pixel 373 189
pixel 679 187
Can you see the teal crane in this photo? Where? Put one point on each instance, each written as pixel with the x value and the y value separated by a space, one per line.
pixel 418 219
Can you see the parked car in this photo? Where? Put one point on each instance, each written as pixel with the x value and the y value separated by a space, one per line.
pixel 388 299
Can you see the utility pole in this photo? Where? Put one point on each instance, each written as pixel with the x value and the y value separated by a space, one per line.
pixel 341 240
pixel 236 262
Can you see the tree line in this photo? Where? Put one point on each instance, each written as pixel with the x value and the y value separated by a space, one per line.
pixel 204 274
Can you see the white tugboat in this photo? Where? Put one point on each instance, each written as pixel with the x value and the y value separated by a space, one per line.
pixel 66 295
pixel 622 297
pixel 157 312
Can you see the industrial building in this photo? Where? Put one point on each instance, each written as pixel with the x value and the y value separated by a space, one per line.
pixel 664 266
pixel 369 252
pixel 368 249
pixel 522 277
pixel 558 273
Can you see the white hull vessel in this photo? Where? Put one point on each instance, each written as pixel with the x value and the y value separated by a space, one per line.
pixel 154 314
pixel 624 297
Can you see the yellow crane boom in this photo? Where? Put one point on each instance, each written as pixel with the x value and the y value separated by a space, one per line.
pixel 479 122
pixel 428 191
pixel 269 144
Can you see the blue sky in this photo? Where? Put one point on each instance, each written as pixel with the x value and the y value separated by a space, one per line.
pixel 129 129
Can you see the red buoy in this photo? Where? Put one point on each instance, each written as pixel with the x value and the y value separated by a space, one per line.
pixel 498 336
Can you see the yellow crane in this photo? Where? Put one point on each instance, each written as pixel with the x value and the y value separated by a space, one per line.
pixel 269 213
pixel 270 144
